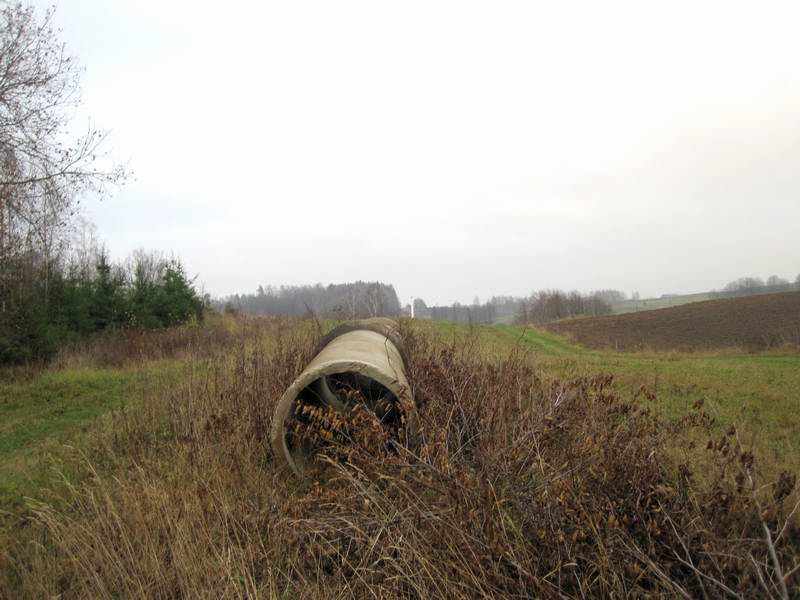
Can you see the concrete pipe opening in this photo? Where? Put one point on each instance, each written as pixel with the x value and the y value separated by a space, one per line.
pixel 359 365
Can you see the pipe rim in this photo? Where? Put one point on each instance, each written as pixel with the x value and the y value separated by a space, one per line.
pixel 332 367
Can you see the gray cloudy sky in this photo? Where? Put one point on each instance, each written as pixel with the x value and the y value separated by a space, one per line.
pixel 451 148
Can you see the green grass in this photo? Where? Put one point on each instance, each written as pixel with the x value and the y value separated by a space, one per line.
pixel 38 417
pixel 627 306
pixel 47 420
pixel 760 393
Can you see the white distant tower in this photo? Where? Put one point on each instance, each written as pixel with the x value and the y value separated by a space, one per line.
pixel 412 307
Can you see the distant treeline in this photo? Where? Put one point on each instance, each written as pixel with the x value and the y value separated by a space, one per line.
pixel 336 301
pixel 506 306
pixel 539 307
pixel 746 286
pixel 552 305
pixel 46 303
pixel 477 313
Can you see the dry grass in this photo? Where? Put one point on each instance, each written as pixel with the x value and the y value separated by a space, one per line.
pixel 194 340
pixel 513 485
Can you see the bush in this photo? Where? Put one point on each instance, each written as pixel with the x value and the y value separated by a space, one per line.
pixel 56 306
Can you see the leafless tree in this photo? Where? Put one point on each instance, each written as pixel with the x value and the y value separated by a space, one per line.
pixel 745 285
pixel 551 305
pixel 342 301
pixel 84 248
pixel 43 167
pixel 775 281
pixel 610 296
pixel 374 299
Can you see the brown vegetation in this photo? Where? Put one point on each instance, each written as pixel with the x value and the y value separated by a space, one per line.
pixel 512 485
pixel 754 322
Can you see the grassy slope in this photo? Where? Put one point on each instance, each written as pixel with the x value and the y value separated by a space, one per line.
pixel 70 406
pixel 38 417
pixel 45 421
pixel 759 392
pixel 182 500
pixel 627 306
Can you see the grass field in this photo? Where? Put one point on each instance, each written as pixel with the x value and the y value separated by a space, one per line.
pixel 758 391
pixel 35 414
pixel 48 416
pixel 149 476
pixel 43 421
pixel 628 306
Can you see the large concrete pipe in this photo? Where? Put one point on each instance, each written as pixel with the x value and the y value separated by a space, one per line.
pixel 367 357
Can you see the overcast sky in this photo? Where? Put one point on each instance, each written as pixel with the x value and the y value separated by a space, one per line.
pixel 452 148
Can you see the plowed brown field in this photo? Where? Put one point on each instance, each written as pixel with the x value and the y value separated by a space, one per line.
pixel 754 323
